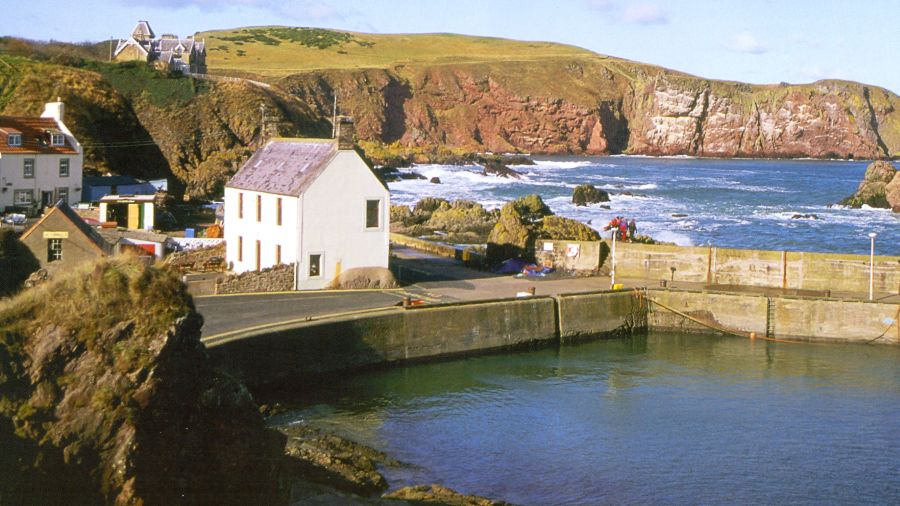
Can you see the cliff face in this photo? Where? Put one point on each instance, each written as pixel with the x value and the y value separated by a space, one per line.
pixel 107 396
pixel 591 107
pixel 880 187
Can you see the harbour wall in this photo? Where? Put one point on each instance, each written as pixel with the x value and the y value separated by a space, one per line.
pixel 397 335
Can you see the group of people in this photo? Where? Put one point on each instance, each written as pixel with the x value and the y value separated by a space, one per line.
pixel 623 227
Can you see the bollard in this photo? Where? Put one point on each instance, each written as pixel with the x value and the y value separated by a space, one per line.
pixel 752 336
pixel 531 290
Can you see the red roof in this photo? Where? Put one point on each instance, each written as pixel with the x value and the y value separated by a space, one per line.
pixel 35 136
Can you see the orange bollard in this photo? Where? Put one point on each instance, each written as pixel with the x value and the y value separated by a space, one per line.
pixel 752 336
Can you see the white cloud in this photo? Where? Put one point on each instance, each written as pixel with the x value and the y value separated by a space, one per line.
pixel 746 42
pixel 645 14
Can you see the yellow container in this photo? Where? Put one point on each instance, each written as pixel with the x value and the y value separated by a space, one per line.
pixel 617 286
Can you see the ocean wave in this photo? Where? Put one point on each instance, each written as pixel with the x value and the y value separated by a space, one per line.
pixel 567 165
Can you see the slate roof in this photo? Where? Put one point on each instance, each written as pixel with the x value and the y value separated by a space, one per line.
pixel 143 28
pixel 64 209
pixel 285 167
pixel 35 139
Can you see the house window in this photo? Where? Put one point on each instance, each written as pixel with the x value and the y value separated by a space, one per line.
pixel 62 194
pixel 240 207
pixel 373 214
pixel 240 253
pixel 278 212
pixel 57 139
pixel 54 249
pixel 23 197
pixel 315 265
pixel 28 168
pixel 14 139
pixel 259 208
pixel 277 254
pixel 64 167
pixel 258 255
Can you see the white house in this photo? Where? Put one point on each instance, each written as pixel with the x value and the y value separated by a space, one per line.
pixel 40 161
pixel 311 203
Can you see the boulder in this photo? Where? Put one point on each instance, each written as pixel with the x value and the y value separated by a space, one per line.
pixel 435 180
pixel 585 194
pixel 880 187
pixel 559 228
pixel 436 494
pixel 109 397
pixel 496 167
pixel 364 277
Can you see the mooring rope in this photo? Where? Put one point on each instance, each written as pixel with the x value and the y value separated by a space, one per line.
pixel 895 322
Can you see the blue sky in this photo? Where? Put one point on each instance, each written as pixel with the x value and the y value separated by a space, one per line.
pixel 757 41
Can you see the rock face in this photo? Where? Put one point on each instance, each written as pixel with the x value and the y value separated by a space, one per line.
pixel 436 494
pixel 585 194
pixel 108 397
pixel 880 187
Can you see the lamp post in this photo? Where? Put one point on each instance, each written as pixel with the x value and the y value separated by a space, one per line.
pixel 872 267
pixel 612 281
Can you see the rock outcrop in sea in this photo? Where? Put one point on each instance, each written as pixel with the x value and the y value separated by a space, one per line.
pixel 586 194
pixel 880 187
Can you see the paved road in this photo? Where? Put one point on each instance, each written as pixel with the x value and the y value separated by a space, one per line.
pixel 226 313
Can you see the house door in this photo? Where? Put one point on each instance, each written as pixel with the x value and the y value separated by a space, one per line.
pixel 46 199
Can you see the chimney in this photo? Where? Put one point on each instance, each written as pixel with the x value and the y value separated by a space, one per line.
pixel 55 110
pixel 345 132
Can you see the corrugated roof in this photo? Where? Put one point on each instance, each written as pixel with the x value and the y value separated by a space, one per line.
pixel 285 166
pixel 34 136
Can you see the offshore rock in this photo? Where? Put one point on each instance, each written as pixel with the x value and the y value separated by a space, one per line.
pixel 880 187
pixel 109 397
pixel 437 494
pixel 585 194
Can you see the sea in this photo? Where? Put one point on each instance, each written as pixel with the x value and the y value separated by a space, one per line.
pixel 783 205
pixel 658 419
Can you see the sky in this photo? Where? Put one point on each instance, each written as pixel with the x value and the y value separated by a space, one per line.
pixel 756 41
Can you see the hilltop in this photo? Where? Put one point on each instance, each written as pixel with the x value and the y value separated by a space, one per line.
pixel 426 97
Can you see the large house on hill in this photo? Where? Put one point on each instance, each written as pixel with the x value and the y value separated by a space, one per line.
pixel 40 161
pixel 168 51
pixel 314 204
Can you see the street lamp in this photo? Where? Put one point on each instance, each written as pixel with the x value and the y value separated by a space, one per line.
pixel 612 280
pixel 872 267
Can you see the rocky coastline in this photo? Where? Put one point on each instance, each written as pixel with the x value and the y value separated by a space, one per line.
pixel 879 188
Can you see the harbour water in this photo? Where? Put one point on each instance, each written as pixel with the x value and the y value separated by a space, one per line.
pixel 662 419
pixel 727 203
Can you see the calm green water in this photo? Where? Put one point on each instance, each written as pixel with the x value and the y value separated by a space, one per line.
pixel 666 419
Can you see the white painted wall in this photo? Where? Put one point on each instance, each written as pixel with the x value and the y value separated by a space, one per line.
pixel 46 177
pixel 329 219
pixel 334 219
pixel 266 230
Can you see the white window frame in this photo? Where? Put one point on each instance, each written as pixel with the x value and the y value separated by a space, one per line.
pixel 28 163
pixel 17 193
pixel 14 140
pixel 379 212
pixel 57 139
pixel 54 250
pixel 62 193
pixel 63 162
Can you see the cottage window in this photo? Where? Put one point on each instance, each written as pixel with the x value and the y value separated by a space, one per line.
pixel 14 140
pixel 62 194
pixel 64 167
pixel 240 207
pixel 259 208
pixel 373 214
pixel 28 168
pixel 277 254
pixel 54 249
pixel 57 139
pixel 23 197
pixel 278 212
pixel 258 255
pixel 315 265
pixel 240 249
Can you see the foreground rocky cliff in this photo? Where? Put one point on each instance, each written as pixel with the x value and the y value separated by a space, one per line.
pixel 880 187
pixel 108 396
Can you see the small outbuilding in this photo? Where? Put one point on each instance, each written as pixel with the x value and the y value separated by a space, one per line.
pixel 62 240
pixel 129 211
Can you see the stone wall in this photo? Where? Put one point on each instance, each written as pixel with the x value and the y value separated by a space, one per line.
pixel 274 279
pixel 602 314
pixel 581 258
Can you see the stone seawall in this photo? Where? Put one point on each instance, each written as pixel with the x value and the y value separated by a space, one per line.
pixel 279 278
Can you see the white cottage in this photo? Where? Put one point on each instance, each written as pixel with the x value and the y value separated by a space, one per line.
pixel 40 161
pixel 310 203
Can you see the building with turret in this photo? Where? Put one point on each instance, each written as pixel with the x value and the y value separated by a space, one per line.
pixel 168 52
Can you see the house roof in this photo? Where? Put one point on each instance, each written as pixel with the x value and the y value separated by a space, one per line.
pixel 66 211
pixel 34 136
pixel 142 28
pixel 285 166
